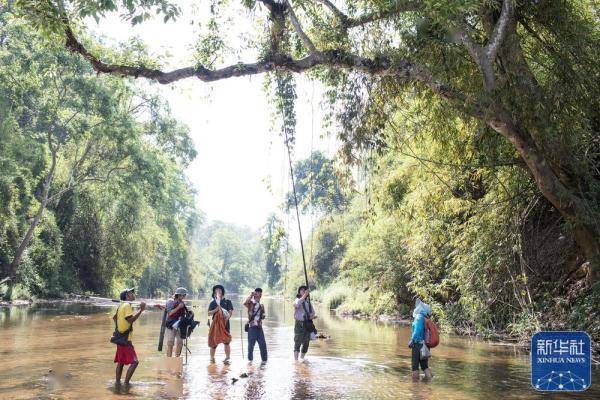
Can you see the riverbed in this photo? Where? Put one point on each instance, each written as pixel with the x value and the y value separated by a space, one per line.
pixel 57 351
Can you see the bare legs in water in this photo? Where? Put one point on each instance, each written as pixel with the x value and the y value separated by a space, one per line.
pixel 128 375
pixel 178 348
pixel 227 353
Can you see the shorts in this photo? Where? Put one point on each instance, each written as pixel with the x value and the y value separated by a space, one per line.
pixel 416 358
pixel 126 354
pixel 173 335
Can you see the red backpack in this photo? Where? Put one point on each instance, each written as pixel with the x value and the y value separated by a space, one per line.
pixel 432 338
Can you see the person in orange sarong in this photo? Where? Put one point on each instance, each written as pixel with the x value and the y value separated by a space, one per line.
pixel 221 310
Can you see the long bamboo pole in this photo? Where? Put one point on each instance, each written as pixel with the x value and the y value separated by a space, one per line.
pixel 287 144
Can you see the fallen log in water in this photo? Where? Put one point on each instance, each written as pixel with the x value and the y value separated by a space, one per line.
pixel 74 298
pixel 108 301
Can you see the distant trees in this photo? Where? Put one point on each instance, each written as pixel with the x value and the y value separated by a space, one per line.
pixel 275 245
pixel 229 255
pixel 317 185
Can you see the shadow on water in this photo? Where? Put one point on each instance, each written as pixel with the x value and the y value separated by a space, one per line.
pixel 62 352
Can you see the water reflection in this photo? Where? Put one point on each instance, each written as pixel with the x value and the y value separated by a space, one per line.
pixel 302 388
pixel 362 360
pixel 255 386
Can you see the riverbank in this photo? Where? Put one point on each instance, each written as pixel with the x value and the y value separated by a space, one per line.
pixel 501 338
pixel 573 312
pixel 497 338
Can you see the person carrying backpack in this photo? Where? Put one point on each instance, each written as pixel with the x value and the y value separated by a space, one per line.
pixel 175 309
pixel 420 340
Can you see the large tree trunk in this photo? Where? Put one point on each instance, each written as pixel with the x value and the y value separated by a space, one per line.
pixel 563 198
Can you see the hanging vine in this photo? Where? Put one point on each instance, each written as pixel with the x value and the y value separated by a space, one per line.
pixel 285 103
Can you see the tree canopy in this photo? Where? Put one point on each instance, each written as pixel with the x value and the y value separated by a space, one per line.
pixel 524 71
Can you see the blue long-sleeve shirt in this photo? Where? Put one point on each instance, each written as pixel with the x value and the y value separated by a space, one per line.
pixel 418 329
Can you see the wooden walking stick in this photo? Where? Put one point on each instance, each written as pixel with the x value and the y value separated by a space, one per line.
pixel 161 335
pixel 242 334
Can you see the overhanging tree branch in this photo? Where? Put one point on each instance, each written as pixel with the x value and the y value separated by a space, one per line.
pixel 485 56
pixel 336 11
pixel 403 69
pixel 298 28
pixel 500 30
pixel 398 6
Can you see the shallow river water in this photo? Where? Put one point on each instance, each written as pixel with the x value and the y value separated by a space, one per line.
pixel 361 360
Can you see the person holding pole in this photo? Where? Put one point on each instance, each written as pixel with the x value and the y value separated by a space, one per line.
pixel 303 315
pixel 256 313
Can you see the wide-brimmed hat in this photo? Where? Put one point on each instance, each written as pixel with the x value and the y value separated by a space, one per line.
pixel 123 295
pixel 218 287
pixel 181 291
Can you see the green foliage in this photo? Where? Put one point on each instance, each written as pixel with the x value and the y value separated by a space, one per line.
pixel 136 11
pixel 445 215
pixel 456 210
pixel 275 243
pixel 317 186
pixel 120 207
pixel 285 105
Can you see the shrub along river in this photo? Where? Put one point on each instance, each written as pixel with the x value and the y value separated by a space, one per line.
pixel 361 360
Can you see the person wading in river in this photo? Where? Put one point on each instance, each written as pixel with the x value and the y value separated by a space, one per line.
pixel 124 318
pixel 256 313
pixel 303 313
pixel 175 309
pixel 221 310
pixel 417 341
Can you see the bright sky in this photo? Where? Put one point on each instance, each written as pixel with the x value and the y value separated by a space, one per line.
pixel 240 173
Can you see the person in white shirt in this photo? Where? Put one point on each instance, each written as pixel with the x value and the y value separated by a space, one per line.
pixel 303 315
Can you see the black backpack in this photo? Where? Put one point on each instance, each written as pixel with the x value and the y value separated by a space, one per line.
pixel 187 324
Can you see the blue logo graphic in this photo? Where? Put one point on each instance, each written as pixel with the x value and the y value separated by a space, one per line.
pixel 561 361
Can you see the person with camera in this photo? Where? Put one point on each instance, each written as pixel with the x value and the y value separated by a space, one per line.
pixel 256 313
pixel 175 309
pixel 304 314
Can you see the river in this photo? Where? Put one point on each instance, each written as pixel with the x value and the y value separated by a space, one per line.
pixel 361 360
